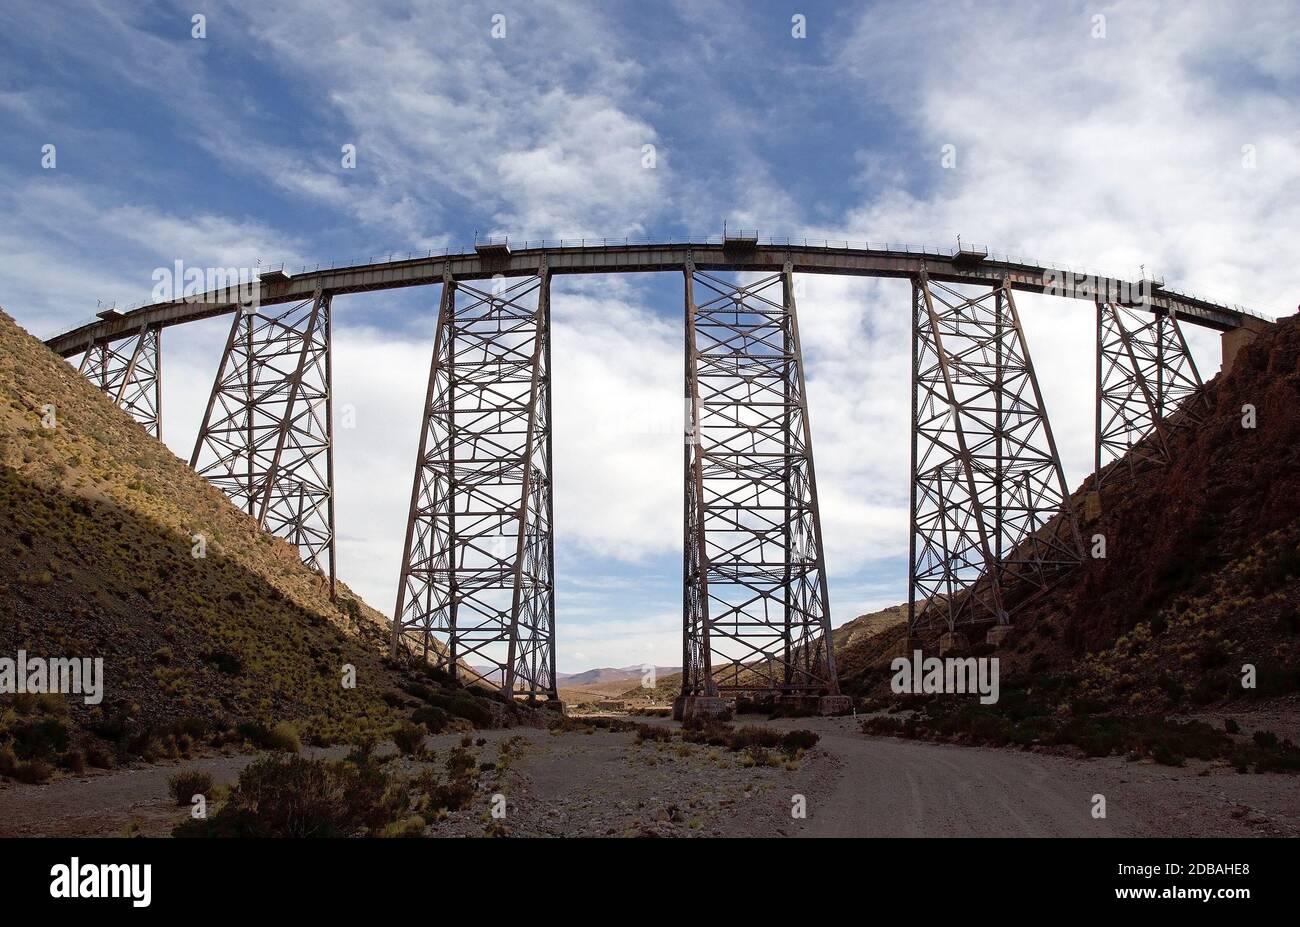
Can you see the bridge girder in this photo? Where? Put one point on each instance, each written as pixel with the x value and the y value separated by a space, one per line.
pixel 603 256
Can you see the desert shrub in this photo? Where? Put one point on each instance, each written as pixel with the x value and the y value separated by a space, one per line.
pixel 1231 726
pixel 285 795
pixel 110 722
pixel 653 733
pixel 195 728
pixel 1285 758
pixel 1172 688
pixel 409 738
pixel 351 608
pixel 757 756
pixel 39 736
pixel 417 690
pixel 435 674
pixel 1274 677
pixel 281 737
pixel 99 758
pixel 187 783
pixel 710 732
pixel 434 719
pixel 1265 740
pixel 743 738
pixel 460 762
pixel 882 725
pixel 363 750
pixel 795 741
pixel 411 826
pixel 225 661
pixel 1214 686
pixel 1212 655
pixel 463 705
pixel 28 771
pixel 74 761
pixel 439 796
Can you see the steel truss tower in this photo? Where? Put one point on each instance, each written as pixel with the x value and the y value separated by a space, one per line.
pixel 756 612
pixel 130 372
pixel 477 590
pixel 992 522
pixel 267 436
pixel 1146 384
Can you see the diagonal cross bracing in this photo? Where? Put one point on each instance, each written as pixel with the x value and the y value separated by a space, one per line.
pixel 991 520
pixel 1147 383
pixel 476 593
pixel 756 614
pixel 130 372
pixel 267 436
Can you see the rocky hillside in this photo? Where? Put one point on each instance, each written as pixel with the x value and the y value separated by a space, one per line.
pixel 98 531
pixel 1199 589
pixel 1202 571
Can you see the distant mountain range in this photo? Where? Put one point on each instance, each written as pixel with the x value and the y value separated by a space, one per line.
pixel 610 674
pixel 592 677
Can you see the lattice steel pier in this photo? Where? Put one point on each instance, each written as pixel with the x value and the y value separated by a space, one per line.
pixel 990 507
pixel 130 372
pixel 267 438
pixel 477 591
pixel 755 597
pixel 1147 384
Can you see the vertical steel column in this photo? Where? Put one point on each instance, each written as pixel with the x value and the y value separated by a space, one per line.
pixel 755 593
pixel 697 670
pixel 425 591
pixel 1147 383
pixel 477 589
pixel 267 440
pixel 130 372
pixel 992 523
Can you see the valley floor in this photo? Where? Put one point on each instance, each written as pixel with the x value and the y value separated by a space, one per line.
pixel 603 783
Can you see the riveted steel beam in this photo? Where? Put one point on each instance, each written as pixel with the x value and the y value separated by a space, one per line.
pixel 609 257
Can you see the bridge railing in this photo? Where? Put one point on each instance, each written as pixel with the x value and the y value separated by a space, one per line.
pixel 718 240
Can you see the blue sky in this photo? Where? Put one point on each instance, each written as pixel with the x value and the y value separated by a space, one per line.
pixel 1158 135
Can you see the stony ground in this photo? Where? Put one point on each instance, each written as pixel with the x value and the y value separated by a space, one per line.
pixel 603 783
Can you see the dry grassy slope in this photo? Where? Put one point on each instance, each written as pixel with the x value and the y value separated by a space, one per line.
pixel 1203 566
pixel 862 643
pixel 96 521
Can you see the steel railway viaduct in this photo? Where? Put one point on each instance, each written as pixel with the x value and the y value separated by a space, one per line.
pixel 991 517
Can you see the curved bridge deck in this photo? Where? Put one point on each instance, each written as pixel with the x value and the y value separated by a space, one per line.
pixel 973 267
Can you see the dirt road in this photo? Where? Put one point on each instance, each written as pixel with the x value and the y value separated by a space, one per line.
pixel 604 783
pixel 887 787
